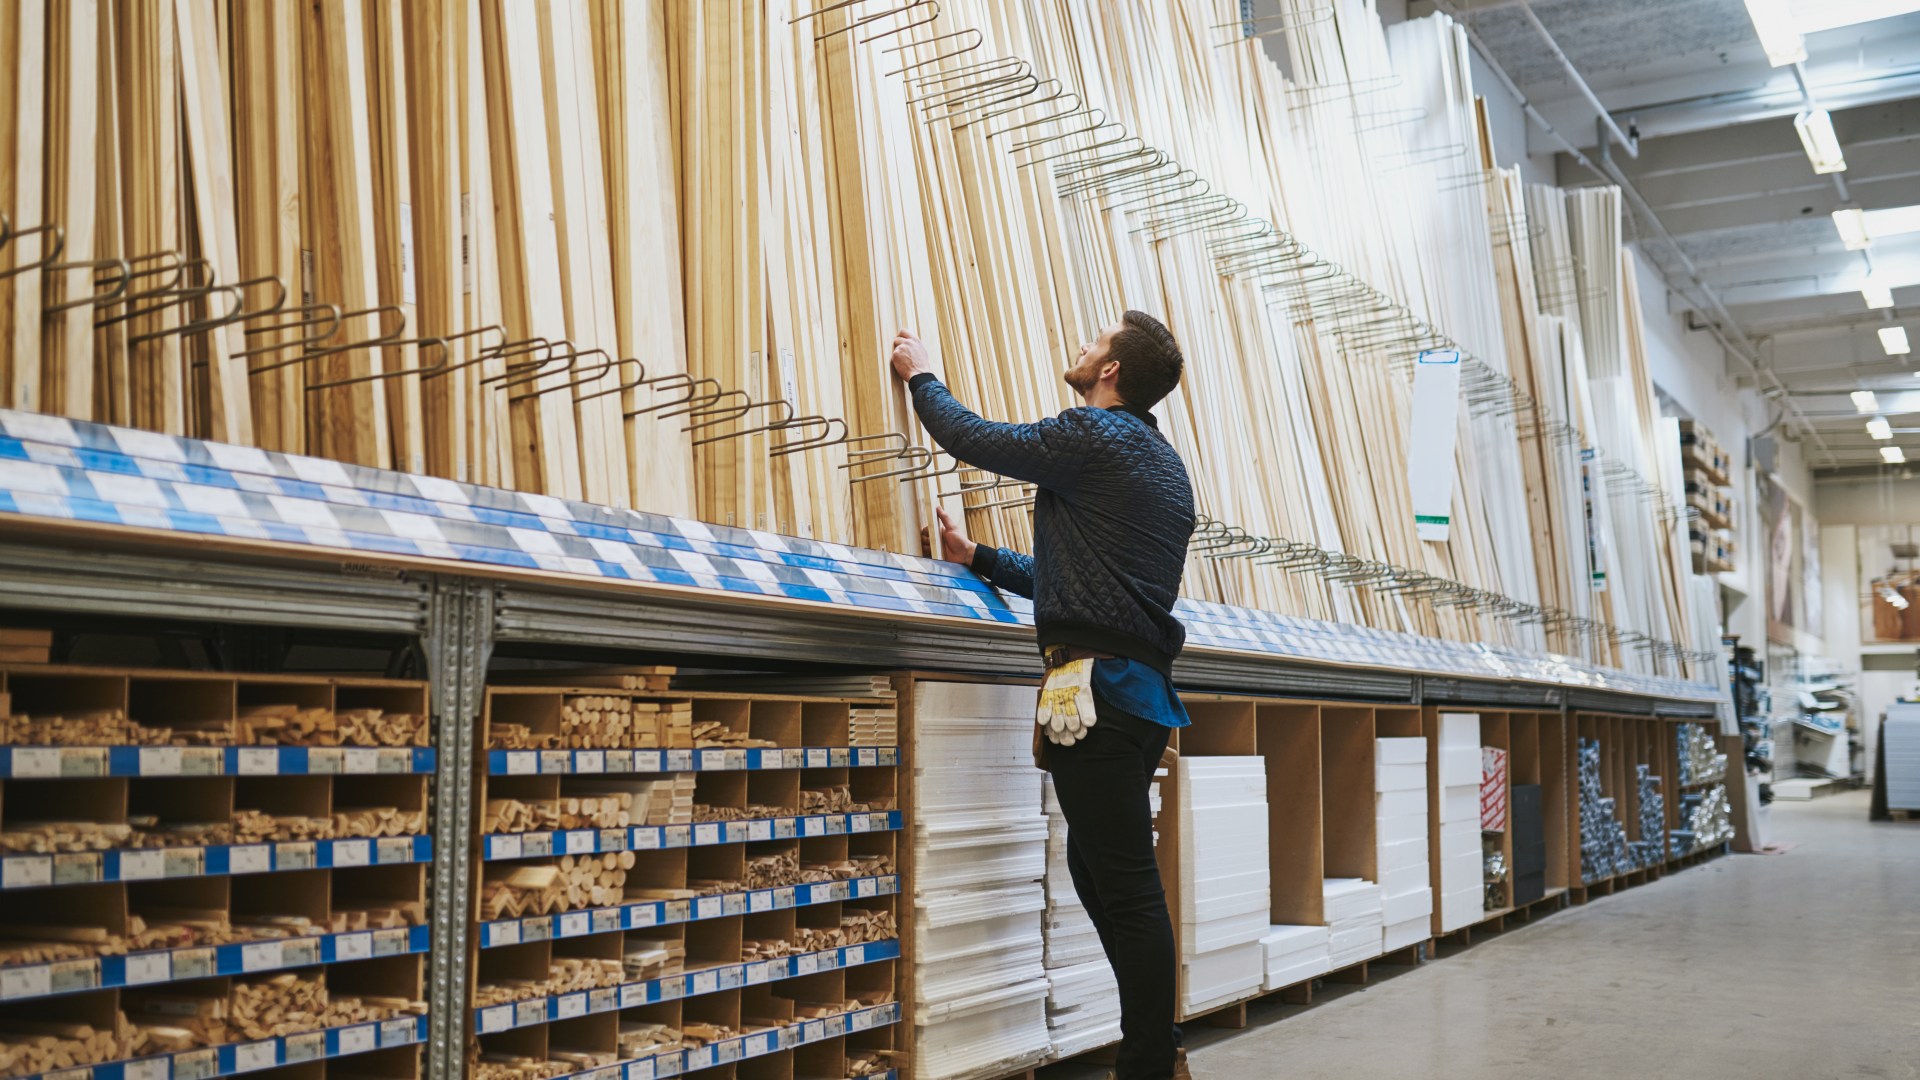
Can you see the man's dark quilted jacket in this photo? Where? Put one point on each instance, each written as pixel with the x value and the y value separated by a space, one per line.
pixel 1111 521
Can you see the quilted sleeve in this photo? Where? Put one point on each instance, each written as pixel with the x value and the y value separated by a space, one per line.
pixel 1004 569
pixel 1050 453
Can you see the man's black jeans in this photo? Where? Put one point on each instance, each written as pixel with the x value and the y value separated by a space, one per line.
pixel 1101 782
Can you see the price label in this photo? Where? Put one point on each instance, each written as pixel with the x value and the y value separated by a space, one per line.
pixel 308 1046
pixel 619 761
pixel 537 929
pixel 735 759
pixel 196 1065
pixel 837 1025
pixel 679 835
pixel 325 761
pixel 26 873
pixel 646 839
pixel 649 761
pixel 708 908
pixel 76 975
pixel 590 761
pixel 759 901
pixel 250 859
pixel 300 952
pixel 828 960
pixel 713 759
pixel 759 1044
pixel 192 963
pixel 701 1058
pixel 522 762
pixel 733 903
pixel 813 1031
pixel 399 1032
pixel 605 919
pixel 641 1070
pixel 503 847
pixel 613 839
pixel 806 964
pixel 678 910
pixel 36 761
pixel 250 1057
pixel 708 833
pixel 866 758
pixel 531 1012
pixel 362 762
pixel 603 1000
pixel 862 1020
pixel 494 1018
pixel 142 865
pixel 259 761
pixel 673 988
pixel 839 758
pixel 760 830
pixel 504 933
pixel 391 942
pixel 579 842
pixel 786 828
pixel 857 823
pixel 643 915
pixel 856 955
pixel 679 760
pixel 300 856
pixel 572 1005
pixel 633 994
pixel 533 844
pixel 556 761
pixel 185 862
pixel 153 1068
pixel 76 869
pixel 736 832
pixel 159 761
pixel 358 1039
pixel 705 982
pixel 889 755
pixel 261 956
pixel 758 973
pixel 203 761
pixel 25 982
pixel 148 967
pixel 813 826
pixel 817 758
pixel 353 946
pixel 836 825
pixel 352 852
pixel 867 887
pixel 783 897
pixel 727 1052
pixel 575 924
pixel 394 849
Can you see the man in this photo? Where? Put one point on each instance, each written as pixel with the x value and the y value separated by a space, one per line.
pixel 1111 520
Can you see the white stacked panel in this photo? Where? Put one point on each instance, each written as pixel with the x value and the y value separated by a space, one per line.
pixel 1903 755
pixel 1354 914
pixel 1294 954
pixel 1462 894
pixel 980 854
pixel 1083 1001
pixel 1401 824
pixel 1225 902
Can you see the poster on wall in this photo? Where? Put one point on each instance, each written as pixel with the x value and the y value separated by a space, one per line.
pixel 1889 584
pixel 1784 563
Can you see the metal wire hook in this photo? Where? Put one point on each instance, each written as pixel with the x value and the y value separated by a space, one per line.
pixel 48 251
pixel 979 39
pixel 119 280
pixel 811 443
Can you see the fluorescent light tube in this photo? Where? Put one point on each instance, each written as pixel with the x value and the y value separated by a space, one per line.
pixel 1894 340
pixel 1879 428
pixel 1864 401
pixel 1852 225
pixel 1818 139
pixel 1893 221
pixel 1773 22
pixel 1893 455
pixel 1876 294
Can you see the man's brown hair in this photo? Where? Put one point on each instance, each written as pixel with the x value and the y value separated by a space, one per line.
pixel 1150 360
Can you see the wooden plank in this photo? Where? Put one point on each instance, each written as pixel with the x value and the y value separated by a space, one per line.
pixel 23 124
pixel 433 91
pixel 267 137
pixel 395 260
pixel 73 50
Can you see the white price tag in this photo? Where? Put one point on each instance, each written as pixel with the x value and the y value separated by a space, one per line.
pixel 813 826
pixel 862 1020
pixel 250 859
pixel 324 761
pixel 261 956
pixel 36 761
pixel 590 761
pixel 571 1005
pixel 399 1032
pixel 633 994
pixel 579 842
pixel 259 761
pixel 159 761
pixel 358 1040
pixel 153 1068
pixel 308 1046
pixel 142 865
pixel 503 933
pixel 148 967
pixel 713 759
pixel 26 872
pixel 707 907
pixel 733 903
pixel 497 1018
pixel 353 946
pixel 23 982
pixel 249 1057
pixel 643 915
pixel 505 847
pixel 362 761
pixel 759 1044
pixel 641 1070
pixel 856 955
pixel 645 838
pixel 705 982
pixel 576 924
pixel 707 833
pixel 760 901
pixel 867 887
pixel 806 964
pixel 352 852
pixel 757 973
pixel 760 830
pixel 522 762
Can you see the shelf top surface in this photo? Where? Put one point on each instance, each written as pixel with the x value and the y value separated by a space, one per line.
pixel 127 483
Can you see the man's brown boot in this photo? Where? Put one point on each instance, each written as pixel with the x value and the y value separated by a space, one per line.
pixel 1180 1066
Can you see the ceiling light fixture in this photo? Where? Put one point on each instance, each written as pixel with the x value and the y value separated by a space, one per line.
pixel 1894 340
pixel 1818 139
pixel 1813 16
pixel 1876 294
pixel 1852 226
pixel 1864 401
pixel 1879 428
pixel 1893 455
pixel 1773 22
pixel 1892 221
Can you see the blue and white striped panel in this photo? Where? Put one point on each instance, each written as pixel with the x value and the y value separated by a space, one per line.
pixel 55 468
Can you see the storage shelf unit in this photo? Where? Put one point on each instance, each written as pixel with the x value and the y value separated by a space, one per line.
pixel 155 824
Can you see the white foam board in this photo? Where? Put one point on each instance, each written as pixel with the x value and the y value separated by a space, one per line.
pixel 1404 879
pixel 1400 751
pixel 1455 844
pixel 1459 729
pixel 1402 828
pixel 1460 764
pixel 1458 909
pixel 1409 801
pixel 1400 777
pixel 1286 939
pixel 1400 935
pixel 1317 963
pixel 1402 853
pixel 1460 802
pixel 1406 906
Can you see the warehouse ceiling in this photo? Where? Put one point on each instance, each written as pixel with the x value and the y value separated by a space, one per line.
pixel 1721 166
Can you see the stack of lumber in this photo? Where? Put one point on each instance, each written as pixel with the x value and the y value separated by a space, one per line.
pixel 858 926
pixel 291 725
pixel 1225 901
pixel 640 1038
pixel 150 832
pixel 29 1047
pixel 715 733
pixel 47 837
pixel 979 838
pixel 651 958
pixel 838 799
pixel 254 1008
pixel 253 826
pixel 565 974
pixel 704 812
pixel 568 884
pixel 862 1063
pixel 379 821
pixel 567 812
pixel 95 727
pixel 502 1066
pixel 662 800
pixel 770 871
pixel 653 678
pixel 873 726
pixel 1458 771
pixel 19 645
pixel 1400 829
pixel 388 916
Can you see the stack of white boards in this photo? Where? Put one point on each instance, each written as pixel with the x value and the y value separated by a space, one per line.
pixel 1353 921
pixel 980 851
pixel 1083 1001
pixel 1406 890
pixel 1225 901
pixel 1294 954
pixel 1903 755
pixel 1462 891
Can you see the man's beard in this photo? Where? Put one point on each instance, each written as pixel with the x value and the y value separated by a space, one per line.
pixel 1079 381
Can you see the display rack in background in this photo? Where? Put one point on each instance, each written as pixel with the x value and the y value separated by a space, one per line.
pixel 1753 707
pixel 204 874
pixel 1708 472
pixel 1704 816
pixel 676 880
pixel 1812 716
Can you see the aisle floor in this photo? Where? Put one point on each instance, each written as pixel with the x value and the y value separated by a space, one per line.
pixel 1798 965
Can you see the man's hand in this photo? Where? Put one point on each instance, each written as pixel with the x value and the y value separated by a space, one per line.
pixel 910 356
pixel 954 545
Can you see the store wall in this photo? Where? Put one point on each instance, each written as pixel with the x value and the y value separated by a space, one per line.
pixel 1844 506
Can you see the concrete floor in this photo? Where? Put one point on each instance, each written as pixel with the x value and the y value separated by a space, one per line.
pixel 1799 965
